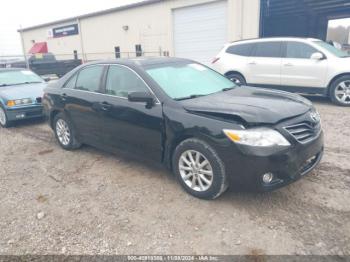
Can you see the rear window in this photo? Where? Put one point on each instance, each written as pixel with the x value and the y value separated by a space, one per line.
pixel 267 49
pixel 241 49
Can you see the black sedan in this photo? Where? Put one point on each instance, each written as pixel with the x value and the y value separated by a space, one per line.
pixel 210 133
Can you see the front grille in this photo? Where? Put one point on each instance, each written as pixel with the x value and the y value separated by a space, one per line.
pixel 304 132
pixel 39 100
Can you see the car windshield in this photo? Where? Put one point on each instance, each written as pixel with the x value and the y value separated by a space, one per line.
pixel 335 51
pixel 188 80
pixel 18 77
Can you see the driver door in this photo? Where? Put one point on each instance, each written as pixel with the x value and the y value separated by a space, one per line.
pixel 131 126
pixel 298 69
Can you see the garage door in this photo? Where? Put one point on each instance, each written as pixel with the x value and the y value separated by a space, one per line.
pixel 200 31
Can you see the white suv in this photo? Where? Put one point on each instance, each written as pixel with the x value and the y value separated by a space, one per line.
pixel 300 65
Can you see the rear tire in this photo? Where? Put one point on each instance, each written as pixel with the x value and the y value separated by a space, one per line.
pixel 4 122
pixel 339 91
pixel 238 79
pixel 65 133
pixel 202 175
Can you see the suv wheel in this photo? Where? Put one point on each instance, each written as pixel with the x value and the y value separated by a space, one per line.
pixel 199 169
pixel 3 118
pixel 65 133
pixel 237 79
pixel 340 91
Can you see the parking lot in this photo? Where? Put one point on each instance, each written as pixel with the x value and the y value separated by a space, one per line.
pixel 91 202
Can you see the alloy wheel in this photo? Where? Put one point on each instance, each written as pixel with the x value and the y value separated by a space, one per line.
pixel 342 92
pixel 3 119
pixel 63 132
pixel 196 171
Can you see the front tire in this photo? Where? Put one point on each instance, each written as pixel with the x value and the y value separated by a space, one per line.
pixel 238 79
pixel 340 91
pixel 199 169
pixel 65 133
pixel 4 122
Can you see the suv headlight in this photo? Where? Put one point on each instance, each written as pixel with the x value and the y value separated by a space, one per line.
pixel 259 137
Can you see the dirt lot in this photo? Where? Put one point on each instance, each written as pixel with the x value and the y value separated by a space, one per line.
pixel 91 202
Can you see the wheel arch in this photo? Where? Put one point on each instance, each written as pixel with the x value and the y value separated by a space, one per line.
pixel 335 79
pixel 234 72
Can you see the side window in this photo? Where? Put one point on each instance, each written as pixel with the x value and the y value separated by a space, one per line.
pixel 299 50
pixel 121 81
pixel 89 78
pixel 267 49
pixel 241 49
pixel 71 82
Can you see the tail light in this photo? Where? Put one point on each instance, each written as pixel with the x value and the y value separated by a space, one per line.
pixel 215 60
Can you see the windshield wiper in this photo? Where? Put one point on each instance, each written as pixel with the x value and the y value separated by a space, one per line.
pixel 188 97
pixel 3 85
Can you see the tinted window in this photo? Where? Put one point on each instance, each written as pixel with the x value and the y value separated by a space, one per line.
pixel 121 81
pixel 299 50
pixel 89 78
pixel 71 82
pixel 267 49
pixel 242 50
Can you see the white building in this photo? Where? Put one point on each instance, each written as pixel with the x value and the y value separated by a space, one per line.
pixel 195 29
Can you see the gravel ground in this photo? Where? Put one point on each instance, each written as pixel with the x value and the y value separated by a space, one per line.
pixel 91 202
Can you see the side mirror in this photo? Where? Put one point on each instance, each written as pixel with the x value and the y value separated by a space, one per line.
pixel 46 78
pixel 144 97
pixel 317 56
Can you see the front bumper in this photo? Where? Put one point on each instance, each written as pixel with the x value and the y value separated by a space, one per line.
pixel 19 113
pixel 288 166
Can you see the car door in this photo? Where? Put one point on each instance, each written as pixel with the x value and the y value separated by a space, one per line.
pixel 131 126
pixel 298 69
pixel 264 64
pixel 83 102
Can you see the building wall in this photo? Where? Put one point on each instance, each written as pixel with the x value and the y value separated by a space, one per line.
pixel 149 25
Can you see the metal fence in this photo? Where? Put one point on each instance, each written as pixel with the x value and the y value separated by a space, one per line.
pixel 59 64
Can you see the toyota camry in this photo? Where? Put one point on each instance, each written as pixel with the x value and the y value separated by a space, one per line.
pixel 209 132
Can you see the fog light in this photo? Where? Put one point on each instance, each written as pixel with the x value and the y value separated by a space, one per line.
pixel 267 178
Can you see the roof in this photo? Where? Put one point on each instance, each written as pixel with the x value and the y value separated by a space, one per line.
pixel 142 61
pixel 281 38
pixel 39 48
pixel 103 12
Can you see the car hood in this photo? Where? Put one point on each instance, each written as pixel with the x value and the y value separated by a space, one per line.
pixel 252 105
pixel 22 91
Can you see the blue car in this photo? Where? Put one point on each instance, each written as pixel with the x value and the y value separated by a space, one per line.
pixel 21 92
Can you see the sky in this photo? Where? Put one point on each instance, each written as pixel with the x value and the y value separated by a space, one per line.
pixel 24 13
pixel 339 22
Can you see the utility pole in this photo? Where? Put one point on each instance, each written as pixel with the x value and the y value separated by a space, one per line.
pixel 23 47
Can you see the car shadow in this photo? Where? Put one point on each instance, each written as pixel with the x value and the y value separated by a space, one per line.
pixel 28 122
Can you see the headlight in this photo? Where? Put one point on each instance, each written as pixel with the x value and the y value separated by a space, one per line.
pixel 18 102
pixel 260 137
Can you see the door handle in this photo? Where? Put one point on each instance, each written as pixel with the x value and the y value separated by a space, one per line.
pixel 105 106
pixel 288 64
pixel 252 63
pixel 64 97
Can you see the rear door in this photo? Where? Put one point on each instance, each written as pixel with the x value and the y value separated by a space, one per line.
pixel 83 102
pixel 298 69
pixel 264 64
pixel 131 126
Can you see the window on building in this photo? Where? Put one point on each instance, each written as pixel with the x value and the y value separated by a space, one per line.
pixel 89 78
pixel 121 81
pixel 241 49
pixel 138 49
pixel 117 52
pixel 299 50
pixel 267 49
